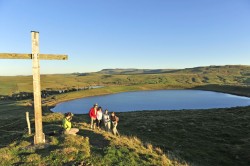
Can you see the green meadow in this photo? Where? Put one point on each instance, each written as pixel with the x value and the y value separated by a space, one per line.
pixel 187 137
pixel 185 78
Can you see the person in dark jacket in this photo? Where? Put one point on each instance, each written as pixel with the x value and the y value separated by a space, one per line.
pixel 114 120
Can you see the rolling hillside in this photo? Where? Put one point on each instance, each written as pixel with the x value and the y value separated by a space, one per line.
pixel 185 78
pixel 189 137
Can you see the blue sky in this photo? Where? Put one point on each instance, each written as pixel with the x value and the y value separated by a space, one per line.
pixel 152 34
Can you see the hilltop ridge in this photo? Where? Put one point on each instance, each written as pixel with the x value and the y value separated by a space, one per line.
pixel 200 69
pixel 235 75
pixel 134 71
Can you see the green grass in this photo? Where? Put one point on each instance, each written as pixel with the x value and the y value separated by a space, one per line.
pixel 202 137
pixel 220 75
pixel 87 148
pixel 197 137
pixel 60 150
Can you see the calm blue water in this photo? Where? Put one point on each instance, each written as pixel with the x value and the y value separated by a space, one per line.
pixel 154 100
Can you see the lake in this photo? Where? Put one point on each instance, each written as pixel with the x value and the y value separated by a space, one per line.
pixel 154 100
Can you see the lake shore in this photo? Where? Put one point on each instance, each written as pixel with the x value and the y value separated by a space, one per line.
pixel 210 137
pixel 154 100
pixel 234 90
pixel 187 133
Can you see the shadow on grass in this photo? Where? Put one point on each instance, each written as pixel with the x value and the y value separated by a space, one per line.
pixel 13 124
pixel 46 151
pixel 97 141
pixel 203 137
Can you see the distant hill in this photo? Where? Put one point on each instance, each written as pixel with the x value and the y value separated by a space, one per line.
pixel 242 70
pixel 134 71
pixel 162 78
pixel 228 69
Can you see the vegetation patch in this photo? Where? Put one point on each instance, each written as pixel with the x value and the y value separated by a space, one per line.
pixel 203 137
pixel 187 137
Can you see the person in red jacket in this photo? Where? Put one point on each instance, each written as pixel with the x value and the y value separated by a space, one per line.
pixel 92 115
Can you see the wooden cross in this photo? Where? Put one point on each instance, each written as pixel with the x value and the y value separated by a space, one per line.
pixel 35 56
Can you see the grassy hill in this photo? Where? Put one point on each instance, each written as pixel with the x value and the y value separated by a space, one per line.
pixel 201 137
pixel 87 148
pixel 189 137
pixel 227 70
pixel 134 71
pixel 185 78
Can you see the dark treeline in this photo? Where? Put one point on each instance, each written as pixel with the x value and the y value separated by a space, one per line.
pixel 44 93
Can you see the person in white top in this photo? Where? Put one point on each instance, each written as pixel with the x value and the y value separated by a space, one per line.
pixel 99 117
pixel 106 120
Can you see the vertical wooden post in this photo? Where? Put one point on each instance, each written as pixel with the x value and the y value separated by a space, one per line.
pixel 39 135
pixel 28 122
pixel 36 56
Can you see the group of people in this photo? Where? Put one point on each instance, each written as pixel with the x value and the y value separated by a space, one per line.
pixel 97 119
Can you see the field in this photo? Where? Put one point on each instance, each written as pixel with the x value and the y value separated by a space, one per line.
pixel 185 78
pixel 202 137
pixel 188 137
pixel 193 137
pixel 87 148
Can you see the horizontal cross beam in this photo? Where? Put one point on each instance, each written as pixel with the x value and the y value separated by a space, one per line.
pixel 29 56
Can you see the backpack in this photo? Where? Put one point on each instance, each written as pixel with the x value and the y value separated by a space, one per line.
pixel 117 118
pixel 89 113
